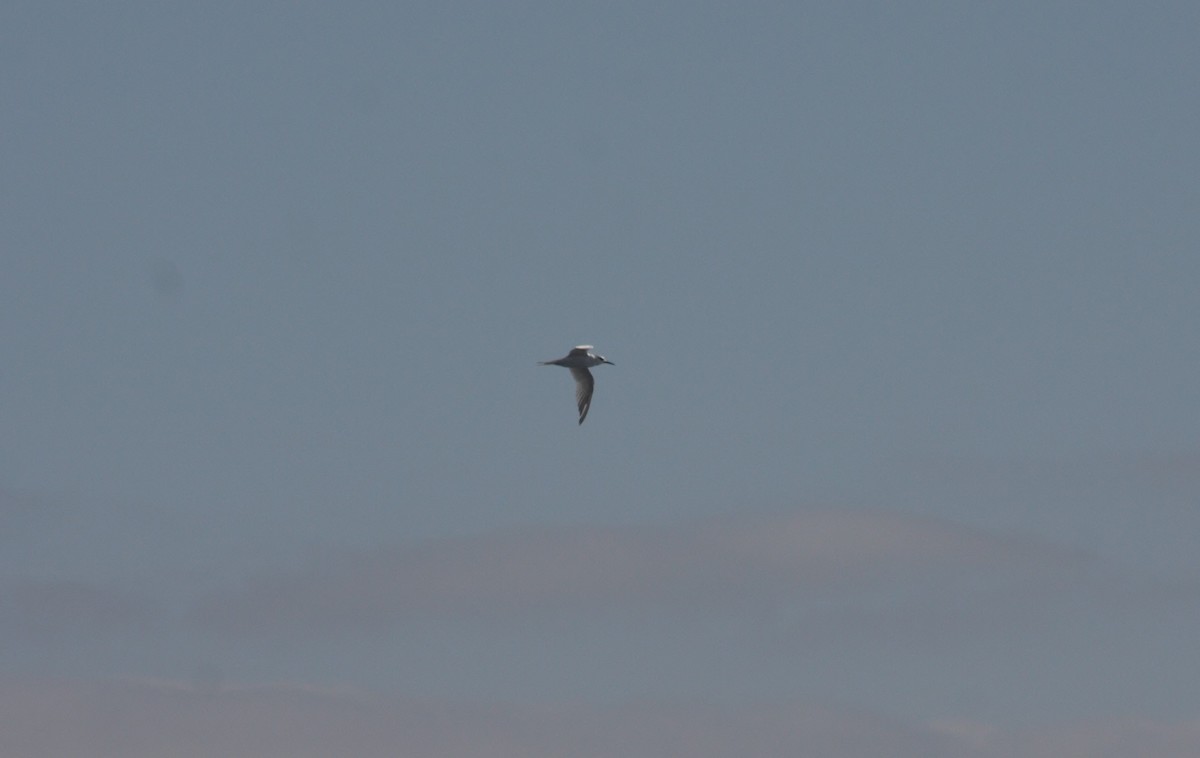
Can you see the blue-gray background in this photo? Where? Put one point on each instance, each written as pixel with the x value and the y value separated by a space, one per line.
pixel 901 437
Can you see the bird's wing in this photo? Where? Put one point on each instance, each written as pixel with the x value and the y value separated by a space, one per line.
pixel 584 383
pixel 580 350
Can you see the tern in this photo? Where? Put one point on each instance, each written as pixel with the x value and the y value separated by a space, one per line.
pixel 579 360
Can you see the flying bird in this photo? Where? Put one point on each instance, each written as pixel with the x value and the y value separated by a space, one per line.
pixel 579 360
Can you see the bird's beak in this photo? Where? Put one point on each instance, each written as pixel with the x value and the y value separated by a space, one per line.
pixel 609 362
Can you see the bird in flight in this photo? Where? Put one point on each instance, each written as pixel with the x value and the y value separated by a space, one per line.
pixel 579 360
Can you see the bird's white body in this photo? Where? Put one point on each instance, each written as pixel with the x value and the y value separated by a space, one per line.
pixel 579 360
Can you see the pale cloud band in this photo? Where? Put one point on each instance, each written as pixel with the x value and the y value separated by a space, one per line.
pixel 686 566
pixel 141 719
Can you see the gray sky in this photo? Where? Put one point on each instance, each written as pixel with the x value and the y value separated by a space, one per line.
pixel 899 455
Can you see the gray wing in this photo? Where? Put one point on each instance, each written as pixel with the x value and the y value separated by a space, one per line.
pixel 584 384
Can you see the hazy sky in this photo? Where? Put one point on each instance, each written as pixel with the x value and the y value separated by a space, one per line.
pixel 900 455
